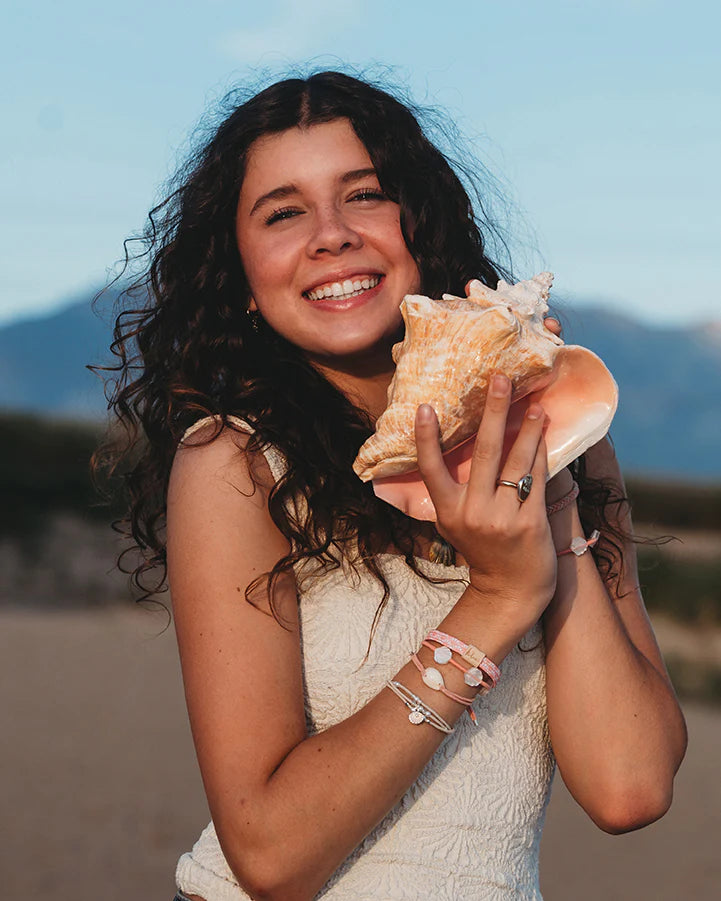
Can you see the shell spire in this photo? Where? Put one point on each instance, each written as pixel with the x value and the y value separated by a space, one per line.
pixel 529 298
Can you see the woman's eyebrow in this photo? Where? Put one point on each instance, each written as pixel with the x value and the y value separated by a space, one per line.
pixel 276 194
pixel 355 174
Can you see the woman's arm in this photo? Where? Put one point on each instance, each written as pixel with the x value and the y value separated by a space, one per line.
pixel 289 807
pixel 616 727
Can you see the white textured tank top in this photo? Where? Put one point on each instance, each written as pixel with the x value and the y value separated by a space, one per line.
pixel 469 828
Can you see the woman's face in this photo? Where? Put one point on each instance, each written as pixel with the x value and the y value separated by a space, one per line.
pixel 320 243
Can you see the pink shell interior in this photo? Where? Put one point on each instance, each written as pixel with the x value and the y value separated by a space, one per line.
pixel 580 403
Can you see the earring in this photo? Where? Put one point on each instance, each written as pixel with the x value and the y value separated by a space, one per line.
pixel 254 317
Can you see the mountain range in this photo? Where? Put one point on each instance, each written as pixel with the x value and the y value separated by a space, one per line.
pixel 668 422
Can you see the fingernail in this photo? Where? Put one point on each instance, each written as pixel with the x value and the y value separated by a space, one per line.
pixel 500 385
pixel 424 413
pixel 534 411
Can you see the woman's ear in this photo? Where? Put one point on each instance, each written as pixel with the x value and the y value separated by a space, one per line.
pixel 252 306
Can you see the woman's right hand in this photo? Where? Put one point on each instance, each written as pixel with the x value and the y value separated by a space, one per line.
pixel 506 543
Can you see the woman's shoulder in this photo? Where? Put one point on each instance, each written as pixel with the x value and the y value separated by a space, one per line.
pixel 218 499
pixel 232 439
pixel 213 458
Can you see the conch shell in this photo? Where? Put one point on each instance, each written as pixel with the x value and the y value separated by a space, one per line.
pixel 450 350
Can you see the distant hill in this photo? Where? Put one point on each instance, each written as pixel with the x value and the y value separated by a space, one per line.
pixel 42 361
pixel 669 418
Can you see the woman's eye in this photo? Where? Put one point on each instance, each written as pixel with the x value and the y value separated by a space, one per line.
pixel 368 194
pixel 279 215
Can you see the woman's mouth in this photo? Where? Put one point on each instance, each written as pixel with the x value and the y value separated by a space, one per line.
pixel 343 290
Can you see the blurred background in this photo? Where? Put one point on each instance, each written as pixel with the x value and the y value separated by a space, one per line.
pixel 598 126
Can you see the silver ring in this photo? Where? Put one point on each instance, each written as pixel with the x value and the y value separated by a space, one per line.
pixel 523 486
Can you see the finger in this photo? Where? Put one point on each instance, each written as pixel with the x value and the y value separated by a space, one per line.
pixel 488 449
pixel 538 470
pixel 523 451
pixel 522 455
pixel 553 325
pixel 439 482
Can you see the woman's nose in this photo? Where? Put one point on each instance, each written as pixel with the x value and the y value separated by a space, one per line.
pixel 332 233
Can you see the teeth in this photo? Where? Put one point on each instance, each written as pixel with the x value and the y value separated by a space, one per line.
pixel 345 289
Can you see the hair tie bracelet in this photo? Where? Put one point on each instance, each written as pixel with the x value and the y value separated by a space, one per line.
pixel 419 711
pixel 469 653
pixel 580 545
pixel 564 501
pixel 472 676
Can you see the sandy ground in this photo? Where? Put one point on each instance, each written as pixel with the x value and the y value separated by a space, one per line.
pixel 101 792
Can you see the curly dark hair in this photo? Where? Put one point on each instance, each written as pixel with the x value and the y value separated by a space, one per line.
pixel 188 349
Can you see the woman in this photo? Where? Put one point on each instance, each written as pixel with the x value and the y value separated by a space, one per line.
pixel 307 612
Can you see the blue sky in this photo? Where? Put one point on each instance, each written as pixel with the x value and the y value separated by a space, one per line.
pixel 600 120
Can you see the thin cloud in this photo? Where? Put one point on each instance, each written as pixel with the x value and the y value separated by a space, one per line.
pixel 296 30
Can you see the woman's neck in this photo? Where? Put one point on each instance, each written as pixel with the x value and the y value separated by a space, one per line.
pixel 364 381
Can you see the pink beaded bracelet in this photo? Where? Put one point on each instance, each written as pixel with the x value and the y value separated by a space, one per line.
pixel 580 545
pixel 433 679
pixel 467 652
pixel 563 502
pixel 472 676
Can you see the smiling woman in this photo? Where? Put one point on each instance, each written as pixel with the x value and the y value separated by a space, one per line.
pixel 328 660
pixel 324 254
